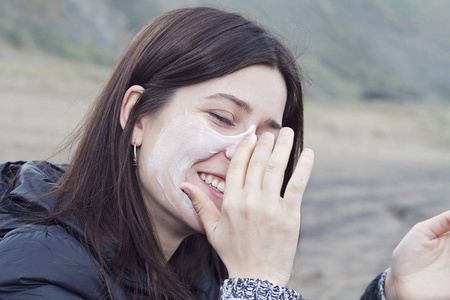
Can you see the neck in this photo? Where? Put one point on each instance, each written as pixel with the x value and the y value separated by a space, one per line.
pixel 169 240
pixel 170 234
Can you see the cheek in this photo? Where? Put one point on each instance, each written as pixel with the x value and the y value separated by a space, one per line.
pixel 182 142
pixel 179 145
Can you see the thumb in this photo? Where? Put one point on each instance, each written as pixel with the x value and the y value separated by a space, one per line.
pixel 206 210
pixel 435 227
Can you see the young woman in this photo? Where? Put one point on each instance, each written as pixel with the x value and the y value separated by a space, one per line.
pixel 175 188
pixel 157 166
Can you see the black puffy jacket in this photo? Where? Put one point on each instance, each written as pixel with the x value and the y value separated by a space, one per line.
pixel 49 261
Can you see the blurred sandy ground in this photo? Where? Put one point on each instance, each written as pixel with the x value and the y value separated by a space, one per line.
pixel 380 167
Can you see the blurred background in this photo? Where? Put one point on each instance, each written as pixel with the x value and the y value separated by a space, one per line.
pixel 377 110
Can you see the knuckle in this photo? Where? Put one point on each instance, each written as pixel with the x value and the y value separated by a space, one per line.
pixel 266 143
pixel 272 168
pixel 292 227
pixel 288 226
pixel 227 206
pixel 296 188
pixel 256 163
pixel 198 207
pixel 236 210
pixel 269 214
pixel 246 145
pixel 419 227
pixel 236 165
pixel 285 142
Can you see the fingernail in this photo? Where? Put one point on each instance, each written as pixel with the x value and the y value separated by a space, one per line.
pixel 286 131
pixel 251 137
pixel 229 152
pixel 266 135
pixel 186 191
pixel 307 151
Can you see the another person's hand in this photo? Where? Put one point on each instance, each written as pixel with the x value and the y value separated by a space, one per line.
pixel 421 262
pixel 256 232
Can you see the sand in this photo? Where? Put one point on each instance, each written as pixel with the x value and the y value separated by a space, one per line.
pixel 380 167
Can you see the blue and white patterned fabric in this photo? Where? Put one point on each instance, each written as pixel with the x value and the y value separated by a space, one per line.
pixel 381 295
pixel 255 289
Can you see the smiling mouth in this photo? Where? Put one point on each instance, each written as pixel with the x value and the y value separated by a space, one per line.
pixel 214 182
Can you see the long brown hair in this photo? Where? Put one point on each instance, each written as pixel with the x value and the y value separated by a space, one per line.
pixel 100 187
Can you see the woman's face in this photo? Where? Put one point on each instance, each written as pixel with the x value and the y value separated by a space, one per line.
pixel 194 137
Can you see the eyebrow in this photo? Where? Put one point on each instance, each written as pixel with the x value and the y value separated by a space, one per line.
pixel 242 104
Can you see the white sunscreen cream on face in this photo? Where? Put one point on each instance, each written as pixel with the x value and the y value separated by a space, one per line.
pixel 184 140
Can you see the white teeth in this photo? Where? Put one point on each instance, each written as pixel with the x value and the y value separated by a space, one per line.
pixel 221 186
pixel 213 182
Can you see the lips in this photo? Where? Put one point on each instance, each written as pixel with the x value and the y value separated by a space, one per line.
pixel 214 182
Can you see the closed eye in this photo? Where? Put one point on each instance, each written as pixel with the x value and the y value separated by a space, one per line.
pixel 222 119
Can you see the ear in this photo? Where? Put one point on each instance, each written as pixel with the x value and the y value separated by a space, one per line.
pixel 130 98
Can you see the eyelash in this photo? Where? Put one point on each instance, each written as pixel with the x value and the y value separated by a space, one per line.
pixel 222 119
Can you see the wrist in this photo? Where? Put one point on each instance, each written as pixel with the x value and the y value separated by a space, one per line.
pixel 274 278
pixel 389 286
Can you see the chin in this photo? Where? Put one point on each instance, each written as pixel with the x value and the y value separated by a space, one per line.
pixel 190 217
pixel 195 224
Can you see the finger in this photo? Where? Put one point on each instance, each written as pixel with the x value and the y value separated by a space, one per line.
pixel 238 165
pixel 297 184
pixel 276 166
pixel 435 227
pixel 258 161
pixel 206 210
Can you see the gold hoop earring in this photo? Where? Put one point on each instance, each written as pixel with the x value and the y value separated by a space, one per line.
pixel 135 157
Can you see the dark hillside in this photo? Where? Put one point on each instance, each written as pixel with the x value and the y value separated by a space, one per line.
pixel 390 49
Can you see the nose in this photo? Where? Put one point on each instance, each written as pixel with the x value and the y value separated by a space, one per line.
pixel 230 150
pixel 231 143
